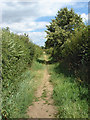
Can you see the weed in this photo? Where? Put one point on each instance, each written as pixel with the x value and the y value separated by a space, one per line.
pixel 46 101
pixel 44 94
pixel 69 97
pixel 36 99
pixel 25 94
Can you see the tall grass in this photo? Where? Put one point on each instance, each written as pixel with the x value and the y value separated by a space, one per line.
pixel 69 94
pixel 20 102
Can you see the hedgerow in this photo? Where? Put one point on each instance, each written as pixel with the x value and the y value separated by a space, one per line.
pixel 68 36
pixel 18 53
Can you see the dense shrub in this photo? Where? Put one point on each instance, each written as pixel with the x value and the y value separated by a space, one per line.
pixel 68 36
pixel 49 51
pixel 75 53
pixel 38 51
pixel 18 53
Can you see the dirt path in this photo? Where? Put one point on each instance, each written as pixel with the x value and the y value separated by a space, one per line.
pixel 43 106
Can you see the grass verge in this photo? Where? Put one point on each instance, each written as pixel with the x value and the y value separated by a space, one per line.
pixel 25 94
pixel 69 95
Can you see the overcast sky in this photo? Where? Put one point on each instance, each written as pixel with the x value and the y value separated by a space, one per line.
pixel 31 17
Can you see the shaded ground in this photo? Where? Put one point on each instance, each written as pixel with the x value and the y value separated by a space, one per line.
pixel 44 61
pixel 43 106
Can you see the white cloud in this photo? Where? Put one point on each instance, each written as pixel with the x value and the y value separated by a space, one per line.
pixel 84 17
pixel 21 15
pixel 17 10
pixel 26 26
pixel 38 37
pixel 45 1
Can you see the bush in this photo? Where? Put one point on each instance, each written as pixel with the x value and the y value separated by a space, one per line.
pixel 67 35
pixel 17 54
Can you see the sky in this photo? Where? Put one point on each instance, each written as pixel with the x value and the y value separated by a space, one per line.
pixel 32 16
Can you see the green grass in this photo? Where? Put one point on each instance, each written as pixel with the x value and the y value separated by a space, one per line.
pixel 70 97
pixel 20 102
pixel 44 94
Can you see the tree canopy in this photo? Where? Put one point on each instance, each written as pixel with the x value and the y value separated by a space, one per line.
pixel 67 39
pixel 62 27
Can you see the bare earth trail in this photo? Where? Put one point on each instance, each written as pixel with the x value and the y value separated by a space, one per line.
pixel 43 106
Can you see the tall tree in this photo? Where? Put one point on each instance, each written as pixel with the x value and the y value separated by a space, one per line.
pixel 61 28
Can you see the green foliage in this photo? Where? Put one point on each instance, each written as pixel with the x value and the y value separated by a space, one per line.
pixel 49 51
pixel 68 37
pixel 18 53
pixel 75 52
pixel 38 51
pixel 62 27
pixel 18 103
pixel 70 97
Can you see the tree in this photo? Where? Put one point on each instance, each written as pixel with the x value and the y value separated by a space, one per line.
pixel 68 36
pixel 61 28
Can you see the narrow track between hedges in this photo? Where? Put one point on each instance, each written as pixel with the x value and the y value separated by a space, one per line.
pixel 43 104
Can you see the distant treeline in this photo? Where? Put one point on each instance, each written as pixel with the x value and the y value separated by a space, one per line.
pixel 68 43
pixel 18 53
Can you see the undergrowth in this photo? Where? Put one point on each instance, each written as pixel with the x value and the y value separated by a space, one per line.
pixel 69 94
pixel 20 102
